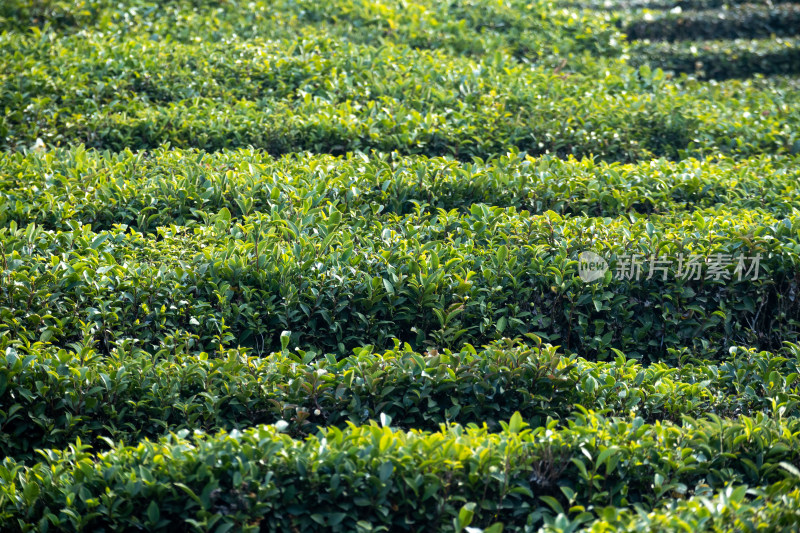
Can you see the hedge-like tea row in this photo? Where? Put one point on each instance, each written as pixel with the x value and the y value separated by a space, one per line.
pixel 372 476
pixel 285 96
pixel 760 124
pixel 89 90
pixel 723 59
pixel 112 74
pixel 339 281
pixel 149 291
pixel 166 187
pixel 740 22
pixel 21 15
pixel 675 6
pixel 716 4
pixel 50 398
pixel 527 29
pixel 618 5
pixel 735 508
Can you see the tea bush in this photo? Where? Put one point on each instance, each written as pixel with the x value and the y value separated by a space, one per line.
pixel 282 96
pixel 189 187
pixel 133 394
pixel 367 476
pixel 301 265
pixel 723 59
pixel 430 279
pixel 741 21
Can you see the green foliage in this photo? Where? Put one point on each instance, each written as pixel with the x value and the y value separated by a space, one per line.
pixel 261 478
pixel 738 22
pixel 474 27
pixel 666 5
pixel 741 507
pixel 433 278
pixel 172 186
pixel 50 398
pixel 723 59
pixel 402 80
pixel 248 248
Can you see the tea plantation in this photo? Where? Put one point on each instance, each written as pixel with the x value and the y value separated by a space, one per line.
pixel 382 265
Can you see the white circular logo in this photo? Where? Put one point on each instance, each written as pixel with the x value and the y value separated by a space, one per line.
pixel 591 266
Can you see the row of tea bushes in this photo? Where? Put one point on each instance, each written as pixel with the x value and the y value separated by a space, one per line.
pixel 529 30
pixel 158 307
pixel 49 398
pixel 718 60
pixel 186 187
pixel 287 96
pixel 734 508
pixel 94 72
pixel 740 22
pixel 675 6
pixel 367 477
pixel 718 4
pixel 760 123
pixel 339 280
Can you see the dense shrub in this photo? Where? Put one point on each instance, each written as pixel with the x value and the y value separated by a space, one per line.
pixel 342 279
pixel 171 186
pixel 366 477
pixel 739 22
pixel 324 94
pixel 720 60
pixel 248 249
pixel 132 394
pixel 622 6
